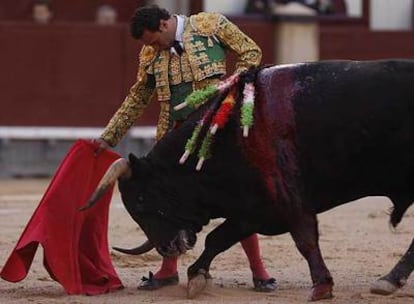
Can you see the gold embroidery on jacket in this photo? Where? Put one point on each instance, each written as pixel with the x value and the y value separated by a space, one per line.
pixel 163 120
pixel 187 74
pixel 162 84
pixel 179 69
pixel 174 73
pixel 204 83
pixel 205 24
pixel 130 110
pixel 193 67
pixel 249 54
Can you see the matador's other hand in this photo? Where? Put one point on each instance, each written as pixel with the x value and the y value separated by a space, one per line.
pixel 100 145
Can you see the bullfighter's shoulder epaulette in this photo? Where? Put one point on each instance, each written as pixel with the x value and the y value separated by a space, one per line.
pixel 205 24
pixel 147 55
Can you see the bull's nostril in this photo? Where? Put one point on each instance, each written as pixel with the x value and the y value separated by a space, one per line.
pixel 186 240
pixel 169 250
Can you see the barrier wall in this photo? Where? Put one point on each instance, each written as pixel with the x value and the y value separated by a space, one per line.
pixel 68 10
pixel 341 41
pixel 70 74
pixel 73 74
pixel 77 74
pixel 65 74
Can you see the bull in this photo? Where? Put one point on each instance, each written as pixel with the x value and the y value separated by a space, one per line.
pixel 325 134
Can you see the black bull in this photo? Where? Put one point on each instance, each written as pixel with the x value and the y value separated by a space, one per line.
pixel 325 134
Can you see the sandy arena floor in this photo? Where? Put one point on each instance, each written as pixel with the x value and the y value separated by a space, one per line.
pixel 356 243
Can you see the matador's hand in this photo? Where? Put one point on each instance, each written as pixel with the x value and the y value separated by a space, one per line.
pixel 100 145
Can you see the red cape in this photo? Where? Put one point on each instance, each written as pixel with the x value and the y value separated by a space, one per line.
pixel 75 243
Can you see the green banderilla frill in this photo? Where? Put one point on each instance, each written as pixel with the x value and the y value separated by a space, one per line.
pixel 191 143
pixel 247 114
pixel 198 97
pixel 205 150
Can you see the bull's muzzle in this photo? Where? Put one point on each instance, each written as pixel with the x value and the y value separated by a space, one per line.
pixel 185 240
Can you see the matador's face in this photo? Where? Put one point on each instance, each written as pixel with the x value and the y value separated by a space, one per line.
pixel 161 39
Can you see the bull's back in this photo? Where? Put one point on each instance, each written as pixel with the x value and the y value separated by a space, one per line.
pixel 353 124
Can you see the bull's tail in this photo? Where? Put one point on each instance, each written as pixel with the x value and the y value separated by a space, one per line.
pixel 398 211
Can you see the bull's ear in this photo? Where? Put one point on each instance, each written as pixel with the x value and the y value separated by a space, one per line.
pixel 132 158
pixel 141 167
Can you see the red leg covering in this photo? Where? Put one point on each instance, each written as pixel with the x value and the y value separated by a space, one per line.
pixel 168 268
pixel 251 248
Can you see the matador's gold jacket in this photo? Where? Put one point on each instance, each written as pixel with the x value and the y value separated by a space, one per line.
pixel 205 37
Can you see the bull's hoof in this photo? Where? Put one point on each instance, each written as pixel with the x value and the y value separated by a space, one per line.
pixel 321 292
pixel 383 287
pixel 198 283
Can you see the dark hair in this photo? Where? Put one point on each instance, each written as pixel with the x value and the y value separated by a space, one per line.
pixel 147 18
pixel 42 2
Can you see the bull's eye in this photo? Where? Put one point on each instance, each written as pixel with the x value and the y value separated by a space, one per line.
pixel 140 204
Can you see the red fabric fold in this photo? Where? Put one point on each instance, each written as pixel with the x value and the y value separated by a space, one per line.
pixel 75 243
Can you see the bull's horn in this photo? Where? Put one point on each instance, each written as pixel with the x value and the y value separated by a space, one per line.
pixel 118 168
pixel 145 247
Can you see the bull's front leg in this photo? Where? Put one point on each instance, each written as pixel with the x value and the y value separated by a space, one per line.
pixel 220 239
pixel 304 232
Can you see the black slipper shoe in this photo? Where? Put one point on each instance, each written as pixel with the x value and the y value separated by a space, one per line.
pixel 152 283
pixel 261 285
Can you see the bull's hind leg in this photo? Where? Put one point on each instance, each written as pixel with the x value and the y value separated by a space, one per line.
pixel 397 276
pixel 305 234
pixel 401 271
pixel 220 239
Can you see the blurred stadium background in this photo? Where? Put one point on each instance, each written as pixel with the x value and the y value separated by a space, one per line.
pixel 63 80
